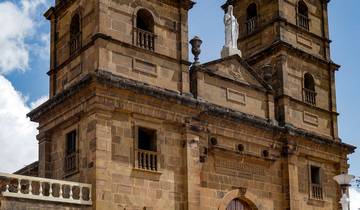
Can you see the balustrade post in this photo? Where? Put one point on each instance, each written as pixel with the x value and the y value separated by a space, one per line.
pixel 40 188
pixel 61 191
pixel 50 189
pixel 19 186
pixel 30 187
pixel 80 193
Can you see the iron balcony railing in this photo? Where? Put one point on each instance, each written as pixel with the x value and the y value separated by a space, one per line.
pixel 303 21
pixel 316 192
pixel 252 24
pixel 310 97
pixel 75 43
pixel 71 163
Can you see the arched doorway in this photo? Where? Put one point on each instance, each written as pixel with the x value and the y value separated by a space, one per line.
pixel 237 204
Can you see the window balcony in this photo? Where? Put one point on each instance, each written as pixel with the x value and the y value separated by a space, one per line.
pixel 144 39
pixel 316 192
pixel 146 160
pixel 71 163
pixel 75 43
pixel 251 24
pixel 303 21
pixel 309 97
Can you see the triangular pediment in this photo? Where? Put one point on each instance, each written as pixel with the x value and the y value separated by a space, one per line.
pixel 235 68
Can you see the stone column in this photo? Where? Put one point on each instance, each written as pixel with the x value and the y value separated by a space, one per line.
pixel 290 173
pixel 44 155
pixel 192 175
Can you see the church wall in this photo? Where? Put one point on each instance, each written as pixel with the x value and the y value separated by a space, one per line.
pixel 139 65
pixel 11 204
pixel 231 95
pixel 289 10
pixel 87 12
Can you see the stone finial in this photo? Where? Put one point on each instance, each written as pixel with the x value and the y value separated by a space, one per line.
pixel 196 49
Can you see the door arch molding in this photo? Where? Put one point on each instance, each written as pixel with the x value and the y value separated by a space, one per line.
pixel 247 197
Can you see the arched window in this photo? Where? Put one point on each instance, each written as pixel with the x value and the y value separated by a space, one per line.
pixel 75 34
pixel 236 204
pixel 309 89
pixel 251 17
pixel 303 15
pixel 144 31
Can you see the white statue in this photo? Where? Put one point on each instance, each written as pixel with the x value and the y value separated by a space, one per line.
pixel 231 34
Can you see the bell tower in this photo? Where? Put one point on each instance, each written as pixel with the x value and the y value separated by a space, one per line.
pixel 292 38
pixel 140 40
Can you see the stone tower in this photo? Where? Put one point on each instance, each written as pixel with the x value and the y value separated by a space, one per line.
pixel 292 38
pixel 129 114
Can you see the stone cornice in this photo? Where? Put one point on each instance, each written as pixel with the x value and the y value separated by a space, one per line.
pixel 105 37
pixel 278 44
pixel 106 78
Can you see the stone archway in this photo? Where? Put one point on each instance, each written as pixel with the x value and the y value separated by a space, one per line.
pixel 238 199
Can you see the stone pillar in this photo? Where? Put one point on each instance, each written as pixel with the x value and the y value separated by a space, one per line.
pixel 44 155
pixel 290 173
pixel 192 175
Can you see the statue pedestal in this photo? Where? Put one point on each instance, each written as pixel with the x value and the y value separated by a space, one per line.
pixel 228 51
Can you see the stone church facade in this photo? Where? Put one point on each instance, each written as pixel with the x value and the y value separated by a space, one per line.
pixel 130 115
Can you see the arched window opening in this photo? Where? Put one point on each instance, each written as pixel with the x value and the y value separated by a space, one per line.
pixel 236 204
pixel 252 17
pixel 303 15
pixel 75 34
pixel 144 30
pixel 309 89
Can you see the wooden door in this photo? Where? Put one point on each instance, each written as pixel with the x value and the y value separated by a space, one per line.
pixel 236 204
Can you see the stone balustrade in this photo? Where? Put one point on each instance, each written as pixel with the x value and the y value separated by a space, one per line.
pixel 34 188
pixel 144 39
pixel 147 160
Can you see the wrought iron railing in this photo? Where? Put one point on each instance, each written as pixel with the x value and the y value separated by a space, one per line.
pixel 310 97
pixel 316 192
pixel 251 24
pixel 75 43
pixel 144 39
pixel 71 163
pixel 303 21
pixel 51 190
pixel 146 160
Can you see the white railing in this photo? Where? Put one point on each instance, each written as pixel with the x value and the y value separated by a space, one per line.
pixel 51 190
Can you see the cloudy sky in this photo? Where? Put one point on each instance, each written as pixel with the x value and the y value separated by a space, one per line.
pixel 24 61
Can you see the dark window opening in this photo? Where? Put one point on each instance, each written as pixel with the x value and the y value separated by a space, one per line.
pixel 71 157
pixel 75 34
pixel 309 89
pixel 144 36
pixel 147 139
pixel 71 143
pixel 252 18
pixel 309 82
pixel 145 20
pixel 315 175
pixel 251 11
pixel 316 187
pixel 303 9
pixel 303 15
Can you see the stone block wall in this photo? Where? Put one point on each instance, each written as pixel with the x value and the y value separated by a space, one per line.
pixel 24 204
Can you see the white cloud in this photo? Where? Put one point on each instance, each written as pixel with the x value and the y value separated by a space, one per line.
pixel 354 199
pixel 17 24
pixel 17 134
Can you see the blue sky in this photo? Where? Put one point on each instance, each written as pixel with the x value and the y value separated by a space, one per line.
pixel 27 81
